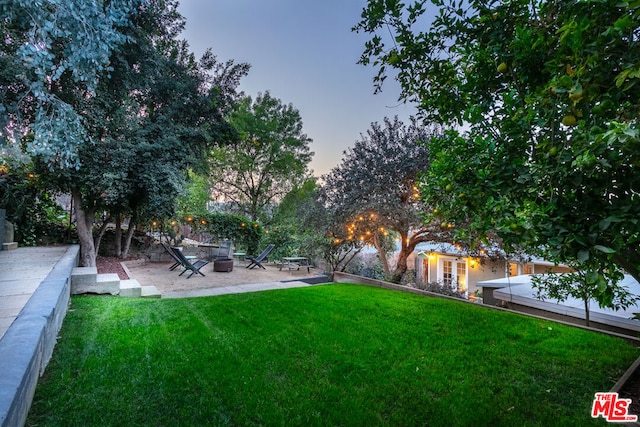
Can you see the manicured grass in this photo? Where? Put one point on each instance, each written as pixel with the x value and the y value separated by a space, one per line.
pixel 324 355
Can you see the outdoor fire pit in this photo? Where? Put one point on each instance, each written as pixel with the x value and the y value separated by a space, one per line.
pixel 224 265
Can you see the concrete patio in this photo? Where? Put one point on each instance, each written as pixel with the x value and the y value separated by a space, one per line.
pixel 21 272
pixel 241 279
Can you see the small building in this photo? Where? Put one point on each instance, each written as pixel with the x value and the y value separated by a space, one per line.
pixel 448 265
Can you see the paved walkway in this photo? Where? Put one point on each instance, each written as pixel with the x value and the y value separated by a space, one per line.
pixel 21 272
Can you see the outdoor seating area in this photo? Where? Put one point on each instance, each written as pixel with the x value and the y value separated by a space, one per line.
pixel 213 267
pixel 221 254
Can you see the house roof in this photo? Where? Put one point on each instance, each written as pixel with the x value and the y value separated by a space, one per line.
pixel 518 289
pixel 450 249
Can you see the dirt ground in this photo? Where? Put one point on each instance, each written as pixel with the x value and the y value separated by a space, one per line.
pixel 158 274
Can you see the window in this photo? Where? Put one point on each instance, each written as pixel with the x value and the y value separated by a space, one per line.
pixel 447 273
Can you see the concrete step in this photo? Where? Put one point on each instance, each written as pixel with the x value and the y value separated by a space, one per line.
pixel 150 292
pixel 81 278
pixel 102 284
pixel 80 275
pixel 10 246
pixel 130 288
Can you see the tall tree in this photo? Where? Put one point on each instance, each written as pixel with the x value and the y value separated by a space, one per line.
pixel 373 192
pixel 269 160
pixel 549 92
pixel 153 117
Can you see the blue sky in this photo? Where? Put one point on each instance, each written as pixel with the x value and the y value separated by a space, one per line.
pixel 304 53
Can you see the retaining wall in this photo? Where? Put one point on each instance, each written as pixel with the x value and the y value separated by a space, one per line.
pixel 26 348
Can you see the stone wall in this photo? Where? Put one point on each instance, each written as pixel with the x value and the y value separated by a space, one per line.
pixel 27 346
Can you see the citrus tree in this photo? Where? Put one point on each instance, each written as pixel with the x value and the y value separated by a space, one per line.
pixel 547 92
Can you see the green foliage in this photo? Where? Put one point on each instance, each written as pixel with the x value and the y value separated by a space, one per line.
pixel 246 234
pixel 31 208
pixel 285 239
pixel 548 92
pixel 323 355
pixel 296 228
pixel 372 195
pixel 46 45
pixel 270 158
pixel 196 196
pixel 138 125
pixel 367 265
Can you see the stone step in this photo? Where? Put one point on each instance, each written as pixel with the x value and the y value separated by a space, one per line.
pixel 81 278
pixel 150 292
pixel 9 246
pixel 82 275
pixel 130 288
pixel 103 284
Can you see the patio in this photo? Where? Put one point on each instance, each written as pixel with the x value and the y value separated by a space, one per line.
pixel 172 285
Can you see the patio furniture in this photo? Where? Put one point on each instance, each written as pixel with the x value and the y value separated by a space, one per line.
pixel 257 261
pixel 177 261
pixel 239 256
pixel 194 267
pixel 224 250
pixel 295 262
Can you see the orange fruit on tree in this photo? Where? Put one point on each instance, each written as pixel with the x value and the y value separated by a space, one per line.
pixel 569 120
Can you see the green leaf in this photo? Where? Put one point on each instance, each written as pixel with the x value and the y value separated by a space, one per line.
pixel 604 249
pixel 583 256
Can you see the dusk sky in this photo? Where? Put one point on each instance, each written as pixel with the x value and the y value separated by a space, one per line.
pixel 304 53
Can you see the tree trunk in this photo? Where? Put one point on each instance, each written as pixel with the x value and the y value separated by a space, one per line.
pixel 84 221
pixel 586 311
pixel 127 239
pixel 401 266
pixel 406 248
pixel 98 239
pixel 118 237
pixel 383 256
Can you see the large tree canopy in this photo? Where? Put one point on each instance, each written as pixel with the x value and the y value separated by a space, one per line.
pixel 549 93
pixel 372 194
pixel 44 45
pixel 155 112
pixel 269 160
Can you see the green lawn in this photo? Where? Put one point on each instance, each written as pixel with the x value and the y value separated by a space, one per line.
pixel 323 355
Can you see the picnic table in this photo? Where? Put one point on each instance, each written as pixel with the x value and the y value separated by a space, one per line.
pixel 295 262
